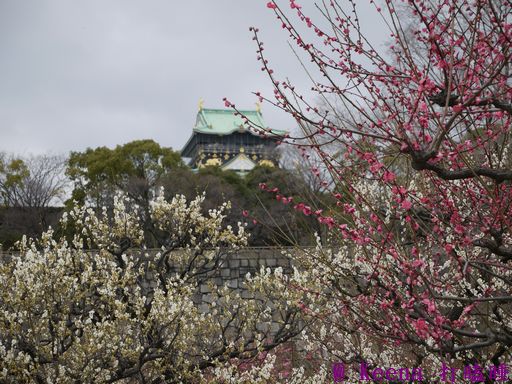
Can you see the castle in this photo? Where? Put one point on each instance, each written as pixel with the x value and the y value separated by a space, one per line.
pixel 223 138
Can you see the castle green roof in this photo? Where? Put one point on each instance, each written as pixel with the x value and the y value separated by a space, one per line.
pixel 225 122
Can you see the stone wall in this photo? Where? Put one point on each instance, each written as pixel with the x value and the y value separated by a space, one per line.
pixel 233 270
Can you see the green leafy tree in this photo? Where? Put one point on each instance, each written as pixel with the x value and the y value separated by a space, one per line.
pixel 134 168
pixel 12 173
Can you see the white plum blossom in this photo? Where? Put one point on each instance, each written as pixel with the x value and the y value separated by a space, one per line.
pixel 100 307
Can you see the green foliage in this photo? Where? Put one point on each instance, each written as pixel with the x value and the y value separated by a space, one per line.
pixel 135 168
pixel 278 223
pixel 140 168
pixel 12 173
pixel 230 179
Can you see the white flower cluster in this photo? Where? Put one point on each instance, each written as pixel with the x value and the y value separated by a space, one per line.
pixel 73 314
pixel 180 220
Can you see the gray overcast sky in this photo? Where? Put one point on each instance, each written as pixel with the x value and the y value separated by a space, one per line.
pixel 87 73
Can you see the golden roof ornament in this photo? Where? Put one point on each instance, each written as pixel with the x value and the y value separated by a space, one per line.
pixel 267 163
pixel 201 103
pixel 214 162
pixel 258 107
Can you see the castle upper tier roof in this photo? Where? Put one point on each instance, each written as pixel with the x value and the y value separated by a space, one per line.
pixel 225 122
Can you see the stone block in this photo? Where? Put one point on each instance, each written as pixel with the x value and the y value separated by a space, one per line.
pixel 271 262
pixel 234 263
pixel 262 327
pixel 204 308
pixel 253 263
pixel 197 298
pixel 274 328
pixel 226 272
pixel 207 298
